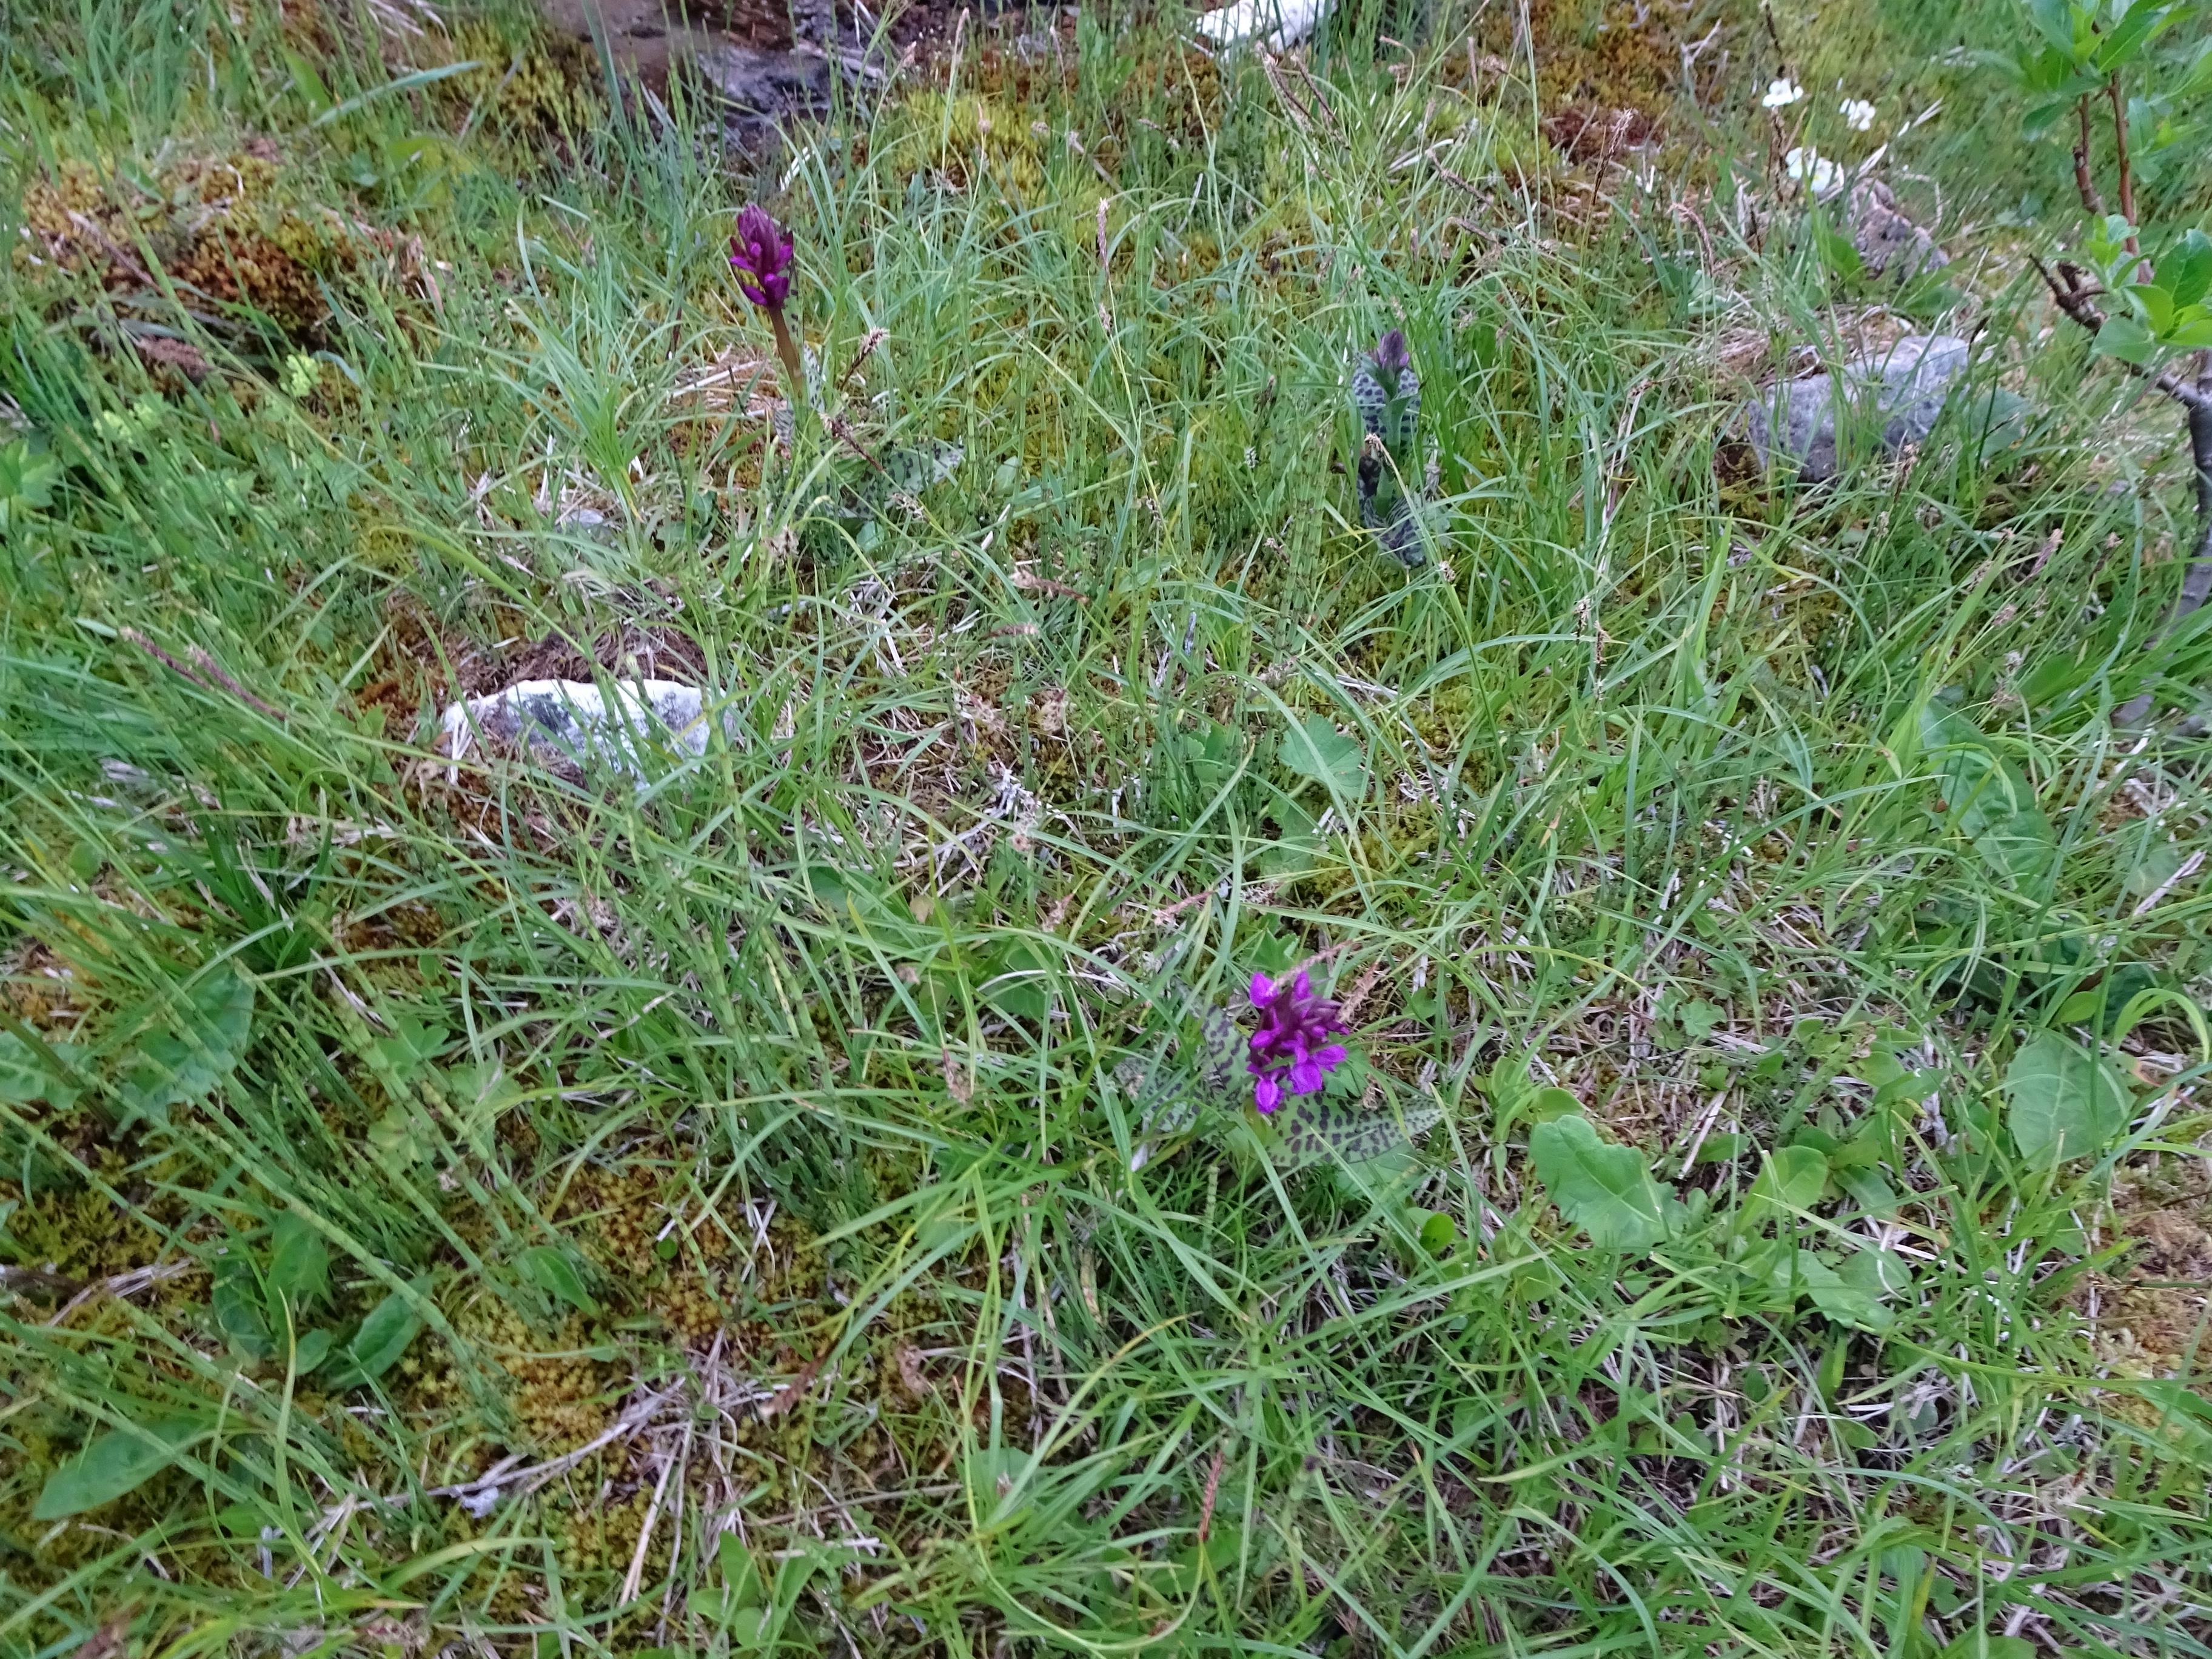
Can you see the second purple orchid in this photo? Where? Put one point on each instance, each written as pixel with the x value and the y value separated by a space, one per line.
pixel 1291 1053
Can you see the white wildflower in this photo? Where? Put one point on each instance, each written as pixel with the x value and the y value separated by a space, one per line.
pixel 1809 166
pixel 1858 114
pixel 1781 92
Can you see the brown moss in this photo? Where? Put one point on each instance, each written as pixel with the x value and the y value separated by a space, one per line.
pixel 217 225
pixel 545 85
pixel 1595 51
pixel 78 1232
pixel 560 1394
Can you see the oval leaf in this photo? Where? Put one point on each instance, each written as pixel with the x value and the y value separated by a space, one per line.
pixel 299 1262
pixel 206 1034
pixel 27 1076
pixel 1791 1183
pixel 382 1338
pixel 2186 271
pixel 111 1464
pixel 1842 1299
pixel 236 1296
pixel 1607 1191
pixel 1317 751
pixel 548 1267
pixel 2064 1102
pixel 311 1351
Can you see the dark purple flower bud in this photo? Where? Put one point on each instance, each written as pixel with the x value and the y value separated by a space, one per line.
pixel 761 255
pixel 1291 1053
pixel 1391 355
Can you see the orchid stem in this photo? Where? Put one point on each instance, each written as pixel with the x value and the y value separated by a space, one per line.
pixel 794 368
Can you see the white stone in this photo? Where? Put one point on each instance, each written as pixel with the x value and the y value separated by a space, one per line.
pixel 575 722
pixel 1273 24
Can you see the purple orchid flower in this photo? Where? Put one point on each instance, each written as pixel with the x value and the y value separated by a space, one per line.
pixel 761 255
pixel 1391 355
pixel 1291 1053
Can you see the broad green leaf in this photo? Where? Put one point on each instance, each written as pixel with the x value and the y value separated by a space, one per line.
pixel 2125 338
pixel 1607 1191
pixel 2186 270
pixel 2158 306
pixel 25 1077
pixel 299 1262
pixel 413 1043
pixel 1019 980
pixel 111 1463
pixel 712 1603
pixel 549 1267
pixel 2043 113
pixel 1878 1273
pixel 310 1351
pixel 401 1137
pixel 1973 786
pixel 1869 1189
pixel 2134 29
pixel 1209 755
pixel 2054 21
pixel 2063 1102
pixel 27 480
pixel 1698 1019
pixel 1439 1233
pixel 382 1338
pixel 1317 751
pixel 735 1604
pixel 1294 850
pixel 1842 1300
pixel 741 1578
pixel 752 1629
pixel 207 1030
pixel 2159 864
pixel 479 1091
pixel 236 1295
pixel 1381 1178
pixel 2019 845
pixel 1904 1565
pixel 1720 1148
pixel 1984 796
pixel 1838 251
pixel 1791 1183
pixel 1544 1104
pixel 1529 1105
pixel 307 82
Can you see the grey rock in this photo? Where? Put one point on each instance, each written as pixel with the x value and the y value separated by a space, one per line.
pixel 570 725
pixel 1903 389
pixel 1888 243
pixel 758 84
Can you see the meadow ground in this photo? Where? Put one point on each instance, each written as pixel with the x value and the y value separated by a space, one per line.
pixel 797 1192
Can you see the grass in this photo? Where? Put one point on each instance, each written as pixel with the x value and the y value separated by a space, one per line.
pixel 780 1200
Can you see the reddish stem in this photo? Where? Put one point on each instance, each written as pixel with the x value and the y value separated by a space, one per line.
pixel 2084 180
pixel 2120 142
